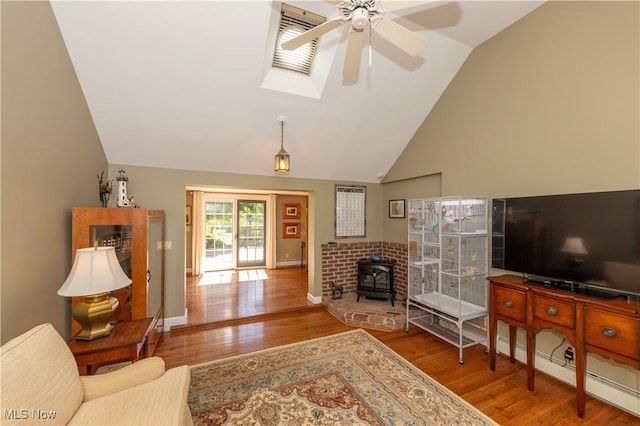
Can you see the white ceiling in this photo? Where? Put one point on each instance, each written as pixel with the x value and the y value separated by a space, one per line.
pixel 189 84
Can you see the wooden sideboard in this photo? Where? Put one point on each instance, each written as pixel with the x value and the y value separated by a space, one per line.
pixel 609 328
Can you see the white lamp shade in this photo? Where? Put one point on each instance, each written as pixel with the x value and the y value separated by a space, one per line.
pixel 574 245
pixel 95 270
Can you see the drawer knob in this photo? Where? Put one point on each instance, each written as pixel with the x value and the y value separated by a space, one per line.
pixel 551 310
pixel 609 332
pixel 508 303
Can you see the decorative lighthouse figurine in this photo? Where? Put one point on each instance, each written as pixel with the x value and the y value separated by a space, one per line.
pixel 123 200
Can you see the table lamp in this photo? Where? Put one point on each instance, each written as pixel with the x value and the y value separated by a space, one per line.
pixel 574 247
pixel 95 273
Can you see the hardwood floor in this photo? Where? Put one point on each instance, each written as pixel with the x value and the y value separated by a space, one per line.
pixel 246 319
pixel 228 295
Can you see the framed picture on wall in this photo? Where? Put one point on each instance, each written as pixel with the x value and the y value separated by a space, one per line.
pixel 291 211
pixel 290 230
pixel 396 209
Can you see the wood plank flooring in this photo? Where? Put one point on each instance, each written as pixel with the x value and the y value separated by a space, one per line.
pixel 226 295
pixel 501 394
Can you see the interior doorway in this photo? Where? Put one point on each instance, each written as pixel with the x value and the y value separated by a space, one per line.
pixel 247 263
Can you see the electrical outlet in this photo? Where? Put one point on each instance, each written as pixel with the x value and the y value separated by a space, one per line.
pixel 568 354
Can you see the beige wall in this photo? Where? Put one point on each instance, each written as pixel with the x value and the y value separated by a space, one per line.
pixel 50 158
pixel 548 106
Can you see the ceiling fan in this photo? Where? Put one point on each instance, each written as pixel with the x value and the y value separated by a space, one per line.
pixel 363 13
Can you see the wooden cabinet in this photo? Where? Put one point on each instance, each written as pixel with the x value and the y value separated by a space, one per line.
pixel 614 335
pixel 510 304
pixel 138 238
pixel 127 343
pixel 609 328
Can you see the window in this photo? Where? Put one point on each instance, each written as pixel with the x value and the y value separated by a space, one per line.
pixel 293 22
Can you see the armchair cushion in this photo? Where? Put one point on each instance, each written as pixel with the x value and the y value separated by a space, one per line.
pixel 39 372
pixel 146 404
pixel 140 372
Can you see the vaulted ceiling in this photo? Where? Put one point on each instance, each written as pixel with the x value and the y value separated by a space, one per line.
pixel 189 84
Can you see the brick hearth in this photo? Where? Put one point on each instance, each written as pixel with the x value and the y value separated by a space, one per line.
pixel 368 313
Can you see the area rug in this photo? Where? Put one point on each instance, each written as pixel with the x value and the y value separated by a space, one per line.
pixel 345 379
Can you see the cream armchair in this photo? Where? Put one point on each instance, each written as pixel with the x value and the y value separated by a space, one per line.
pixel 41 384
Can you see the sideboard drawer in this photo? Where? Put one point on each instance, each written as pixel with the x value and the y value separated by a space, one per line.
pixel 613 332
pixel 554 311
pixel 510 303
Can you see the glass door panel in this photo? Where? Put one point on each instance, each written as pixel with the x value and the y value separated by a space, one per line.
pixel 120 238
pixel 155 263
pixel 218 235
pixel 251 233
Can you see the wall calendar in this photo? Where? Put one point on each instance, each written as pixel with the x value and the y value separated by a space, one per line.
pixel 350 216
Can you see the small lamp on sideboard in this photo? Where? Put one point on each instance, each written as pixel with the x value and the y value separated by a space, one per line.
pixel 574 247
pixel 94 274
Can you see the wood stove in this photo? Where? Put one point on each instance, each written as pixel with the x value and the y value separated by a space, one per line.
pixel 375 280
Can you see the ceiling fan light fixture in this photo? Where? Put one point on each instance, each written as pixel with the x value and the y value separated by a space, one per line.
pixel 360 14
pixel 282 161
pixel 359 18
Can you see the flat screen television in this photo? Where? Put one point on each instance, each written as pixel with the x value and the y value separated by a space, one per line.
pixel 587 243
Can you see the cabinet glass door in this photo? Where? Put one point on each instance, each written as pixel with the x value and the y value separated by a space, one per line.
pixel 120 238
pixel 155 272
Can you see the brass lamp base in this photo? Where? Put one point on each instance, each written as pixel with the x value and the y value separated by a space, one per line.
pixel 93 315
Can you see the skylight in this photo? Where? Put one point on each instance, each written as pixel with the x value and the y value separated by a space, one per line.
pixel 293 22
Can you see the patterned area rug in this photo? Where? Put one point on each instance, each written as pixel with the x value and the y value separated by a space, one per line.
pixel 344 379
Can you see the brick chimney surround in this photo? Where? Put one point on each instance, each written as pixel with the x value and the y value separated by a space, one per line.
pixel 339 265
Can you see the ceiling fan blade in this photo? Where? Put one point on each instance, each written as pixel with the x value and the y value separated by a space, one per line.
pixel 403 38
pixel 352 57
pixel 311 34
pixel 391 5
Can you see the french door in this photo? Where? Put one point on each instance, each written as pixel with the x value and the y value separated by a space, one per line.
pixel 251 233
pixel 235 233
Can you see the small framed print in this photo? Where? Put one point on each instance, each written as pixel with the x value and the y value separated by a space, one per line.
pixel 396 209
pixel 291 211
pixel 290 230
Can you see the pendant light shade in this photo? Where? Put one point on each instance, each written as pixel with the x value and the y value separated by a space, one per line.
pixel 282 161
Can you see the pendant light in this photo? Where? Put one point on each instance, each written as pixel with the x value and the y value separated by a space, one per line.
pixel 282 161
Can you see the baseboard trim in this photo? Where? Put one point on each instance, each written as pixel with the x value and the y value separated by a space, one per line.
pixel 596 386
pixel 175 321
pixel 316 300
pixel 289 263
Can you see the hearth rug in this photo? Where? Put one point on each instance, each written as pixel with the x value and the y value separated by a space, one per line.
pixel 345 379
